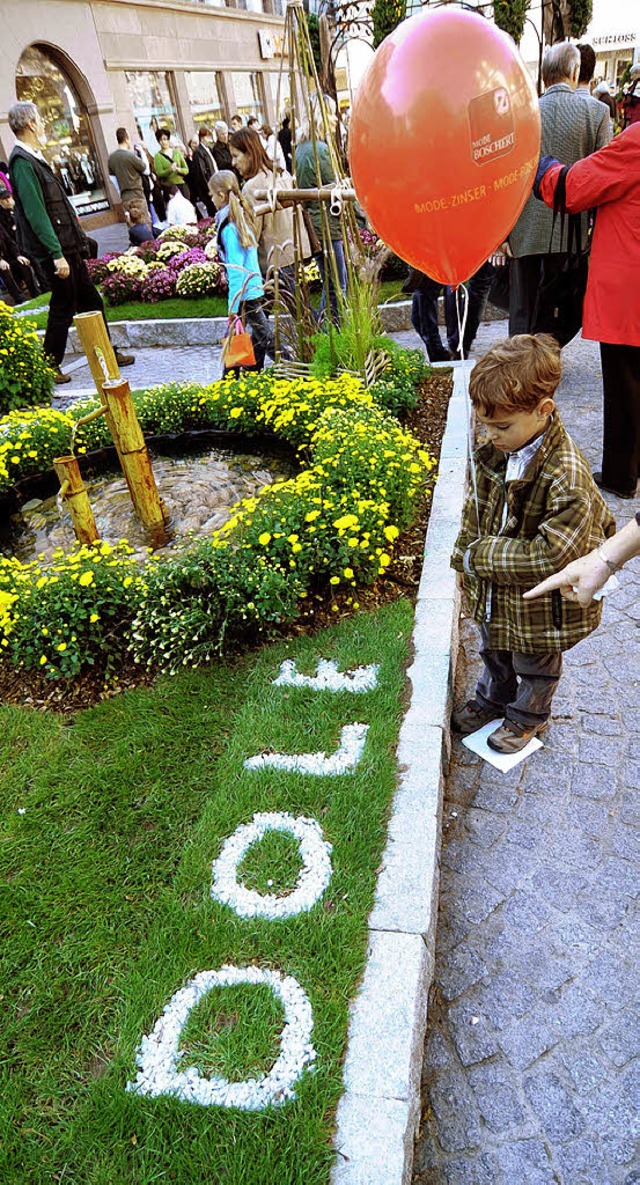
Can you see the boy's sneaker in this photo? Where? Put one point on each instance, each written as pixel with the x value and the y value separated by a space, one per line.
pixel 471 717
pixel 511 737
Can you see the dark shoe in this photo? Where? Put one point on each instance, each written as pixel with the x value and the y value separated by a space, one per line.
pixel 472 716
pixel 597 477
pixel 512 738
pixel 124 359
pixel 439 354
pixel 59 377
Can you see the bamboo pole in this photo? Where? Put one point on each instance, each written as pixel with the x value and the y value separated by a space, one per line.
pixel 95 342
pixel 135 461
pixel 72 489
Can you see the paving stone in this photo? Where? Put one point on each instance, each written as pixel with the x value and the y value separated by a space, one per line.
pixel 524 914
pixel 466 1170
pixel 454 1109
pixel 505 998
pixel 526 1040
pixel 525 1162
pixel 496 1094
pixel 631 774
pixel 558 887
pixel 459 970
pixel 596 782
pixel 620 1040
pixel 471 1030
pixel 552 1103
pixel 586 1071
pixel 582 1163
pixel 602 725
pixel 611 1117
pixel 609 975
pixel 436 1052
pixel 600 751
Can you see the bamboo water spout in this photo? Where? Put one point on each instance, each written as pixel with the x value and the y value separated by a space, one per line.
pixel 134 458
pixel 95 342
pixel 72 489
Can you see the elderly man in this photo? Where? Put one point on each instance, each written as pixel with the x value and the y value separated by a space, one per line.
pixel 572 128
pixel 220 150
pixel 49 230
pixel 203 166
pixel 128 169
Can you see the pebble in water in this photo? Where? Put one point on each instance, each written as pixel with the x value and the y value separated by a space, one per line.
pixel 199 493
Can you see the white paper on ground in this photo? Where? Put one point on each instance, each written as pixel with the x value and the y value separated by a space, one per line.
pixel 477 742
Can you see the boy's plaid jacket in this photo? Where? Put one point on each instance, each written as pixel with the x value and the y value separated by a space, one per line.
pixel 554 515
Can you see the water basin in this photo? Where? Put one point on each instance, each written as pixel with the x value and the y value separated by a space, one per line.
pixel 199 493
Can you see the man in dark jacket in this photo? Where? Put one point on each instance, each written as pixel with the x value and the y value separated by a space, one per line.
pixel 220 150
pixel 204 166
pixel 15 269
pixel 48 229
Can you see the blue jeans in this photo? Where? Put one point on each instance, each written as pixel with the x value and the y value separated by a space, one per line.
pixel 341 268
pixel 477 293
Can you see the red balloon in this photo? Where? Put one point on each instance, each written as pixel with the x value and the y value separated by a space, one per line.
pixel 444 141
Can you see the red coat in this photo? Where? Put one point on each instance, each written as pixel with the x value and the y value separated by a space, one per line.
pixel 609 180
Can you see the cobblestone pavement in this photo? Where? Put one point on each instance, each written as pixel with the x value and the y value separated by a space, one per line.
pixel 199 363
pixel 531 1071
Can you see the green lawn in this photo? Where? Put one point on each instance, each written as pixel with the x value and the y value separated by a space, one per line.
pixel 213 306
pixel 109 827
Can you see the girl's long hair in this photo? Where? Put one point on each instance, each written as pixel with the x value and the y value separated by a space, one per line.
pixel 240 211
pixel 249 142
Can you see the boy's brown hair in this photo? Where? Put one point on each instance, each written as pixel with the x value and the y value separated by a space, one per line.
pixel 516 374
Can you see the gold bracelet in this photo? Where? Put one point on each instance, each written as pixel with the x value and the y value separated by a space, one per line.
pixel 610 564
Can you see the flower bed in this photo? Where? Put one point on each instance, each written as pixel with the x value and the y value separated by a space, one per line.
pixel 333 525
pixel 25 375
pixel 183 262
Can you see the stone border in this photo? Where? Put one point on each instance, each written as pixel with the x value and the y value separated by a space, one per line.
pixel 378 1114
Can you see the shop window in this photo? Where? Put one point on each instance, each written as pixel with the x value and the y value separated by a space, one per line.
pixel 205 97
pixel 280 104
pixel 69 146
pixel 248 96
pixel 251 5
pixel 153 105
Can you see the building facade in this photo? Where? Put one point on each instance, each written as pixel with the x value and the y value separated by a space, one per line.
pixel 94 65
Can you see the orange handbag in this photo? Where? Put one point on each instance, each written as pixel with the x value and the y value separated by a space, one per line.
pixel 237 347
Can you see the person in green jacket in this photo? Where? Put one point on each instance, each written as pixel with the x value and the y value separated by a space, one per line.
pixel 50 232
pixel 169 165
pixel 314 170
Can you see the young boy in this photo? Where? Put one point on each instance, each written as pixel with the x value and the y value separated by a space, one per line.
pixel 539 508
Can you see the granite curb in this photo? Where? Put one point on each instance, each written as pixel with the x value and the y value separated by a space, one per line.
pixel 378 1113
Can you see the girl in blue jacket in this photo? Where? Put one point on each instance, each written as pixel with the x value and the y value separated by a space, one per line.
pixel 237 248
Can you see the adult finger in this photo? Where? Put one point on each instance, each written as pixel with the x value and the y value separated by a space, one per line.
pixel 558 580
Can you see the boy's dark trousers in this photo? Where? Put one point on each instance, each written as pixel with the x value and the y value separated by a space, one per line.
pixel 519 686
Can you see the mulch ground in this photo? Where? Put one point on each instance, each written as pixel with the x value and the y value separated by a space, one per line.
pixel 427 423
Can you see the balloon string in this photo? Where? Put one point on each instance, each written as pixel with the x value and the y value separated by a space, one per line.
pixel 462 325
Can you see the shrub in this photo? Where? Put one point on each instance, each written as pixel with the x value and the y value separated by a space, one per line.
pixel 29 440
pixel 200 279
pixel 118 288
pixel 61 618
pixel 158 284
pixel 25 375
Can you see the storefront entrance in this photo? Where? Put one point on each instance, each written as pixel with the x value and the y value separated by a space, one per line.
pixel 69 146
